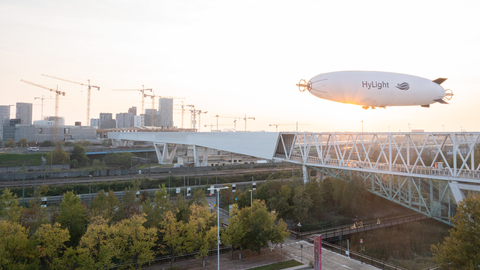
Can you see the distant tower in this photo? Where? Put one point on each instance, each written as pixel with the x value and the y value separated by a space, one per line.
pixel 24 112
pixel 4 118
pixel 165 109
pixel 133 110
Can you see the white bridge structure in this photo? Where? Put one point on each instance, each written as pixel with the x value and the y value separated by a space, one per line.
pixel 426 172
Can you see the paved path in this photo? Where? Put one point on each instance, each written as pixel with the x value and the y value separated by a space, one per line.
pixel 330 260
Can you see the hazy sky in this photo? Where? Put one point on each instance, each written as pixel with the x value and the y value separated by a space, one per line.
pixel 233 58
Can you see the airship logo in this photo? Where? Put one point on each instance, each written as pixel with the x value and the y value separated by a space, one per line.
pixel 403 86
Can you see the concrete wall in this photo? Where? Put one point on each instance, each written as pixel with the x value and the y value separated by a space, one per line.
pixel 19 169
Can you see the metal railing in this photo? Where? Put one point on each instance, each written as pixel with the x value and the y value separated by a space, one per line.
pixel 360 226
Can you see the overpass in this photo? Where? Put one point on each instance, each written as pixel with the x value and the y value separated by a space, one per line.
pixel 426 172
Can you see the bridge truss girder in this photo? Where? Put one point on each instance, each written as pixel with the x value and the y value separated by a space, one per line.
pixel 431 197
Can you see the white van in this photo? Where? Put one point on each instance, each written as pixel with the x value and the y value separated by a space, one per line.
pixel 34 149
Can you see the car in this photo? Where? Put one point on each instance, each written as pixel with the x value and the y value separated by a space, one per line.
pixel 34 149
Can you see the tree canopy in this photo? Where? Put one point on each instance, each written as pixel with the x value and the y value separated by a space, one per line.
pixel 461 250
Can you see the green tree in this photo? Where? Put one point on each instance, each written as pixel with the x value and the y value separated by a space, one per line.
pixel 51 245
pixel 22 143
pixel 135 241
pixel 235 232
pixel 10 209
pixel 59 156
pixel 199 198
pixel 80 154
pixel 9 143
pixel 47 143
pixel 16 251
pixel 461 250
pixel 104 205
pixel 314 190
pixel 182 210
pixel 34 215
pixel 130 205
pixel 155 210
pixel 260 227
pixel 301 203
pixel 173 232
pixel 97 248
pixel 73 216
pixel 200 230
pixel 353 199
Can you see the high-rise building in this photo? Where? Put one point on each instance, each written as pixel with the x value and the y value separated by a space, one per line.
pixel 4 118
pixel 133 110
pixel 24 112
pixel 94 122
pixel 124 120
pixel 165 108
pixel 148 118
pixel 106 121
pixel 139 120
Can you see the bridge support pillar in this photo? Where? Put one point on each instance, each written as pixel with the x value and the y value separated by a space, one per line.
pixel 305 174
pixel 200 156
pixel 319 176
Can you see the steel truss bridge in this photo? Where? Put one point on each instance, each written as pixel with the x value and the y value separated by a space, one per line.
pixel 426 172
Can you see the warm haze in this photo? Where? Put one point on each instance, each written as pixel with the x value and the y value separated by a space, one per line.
pixel 233 58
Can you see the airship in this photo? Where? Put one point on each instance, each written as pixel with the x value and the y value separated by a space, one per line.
pixel 372 89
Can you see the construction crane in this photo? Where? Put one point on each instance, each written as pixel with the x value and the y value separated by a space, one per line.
pixel 297 124
pixel 234 121
pixel 245 118
pixel 88 95
pixel 42 98
pixel 153 96
pixel 199 112
pixel 214 125
pixel 143 95
pixel 57 93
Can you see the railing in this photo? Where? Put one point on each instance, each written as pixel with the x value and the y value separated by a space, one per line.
pixel 421 170
pixel 360 257
pixel 359 226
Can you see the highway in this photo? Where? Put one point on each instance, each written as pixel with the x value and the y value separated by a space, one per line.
pixel 83 180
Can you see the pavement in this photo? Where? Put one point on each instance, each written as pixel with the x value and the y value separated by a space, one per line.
pixel 330 260
pixel 291 250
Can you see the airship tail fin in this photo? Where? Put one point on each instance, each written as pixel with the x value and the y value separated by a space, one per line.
pixel 441 101
pixel 439 80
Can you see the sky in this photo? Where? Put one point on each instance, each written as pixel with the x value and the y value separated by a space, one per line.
pixel 237 58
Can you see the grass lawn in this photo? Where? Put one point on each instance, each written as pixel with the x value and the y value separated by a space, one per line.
pixel 31 159
pixel 280 265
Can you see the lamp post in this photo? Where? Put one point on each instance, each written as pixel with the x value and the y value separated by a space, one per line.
pixel 169 172
pixel 443 128
pixel 362 126
pixel 216 176
pixel 408 127
pixel 251 198
pixel 218 221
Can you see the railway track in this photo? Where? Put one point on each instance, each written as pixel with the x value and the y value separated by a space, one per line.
pixel 84 180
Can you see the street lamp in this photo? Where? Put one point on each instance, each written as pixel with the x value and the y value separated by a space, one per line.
pixel 218 220
pixel 251 198
pixel 408 127
pixel 362 126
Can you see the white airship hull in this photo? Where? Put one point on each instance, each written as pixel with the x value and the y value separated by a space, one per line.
pixel 376 89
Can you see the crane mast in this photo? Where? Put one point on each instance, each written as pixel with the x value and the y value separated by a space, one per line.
pixel 143 95
pixel 57 93
pixel 88 95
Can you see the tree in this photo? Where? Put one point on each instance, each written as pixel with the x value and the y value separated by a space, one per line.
pixel 182 210
pixel 235 232
pixel 73 216
pixel 104 205
pixel 47 143
pixel 10 209
pixel 199 198
pixel 173 235
pixel 51 245
pixel 59 156
pixel 260 227
pixel 461 250
pixel 35 215
pixel 97 247
pixel 130 205
pixel 9 143
pixel 15 249
pixel 200 230
pixel 80 154
pixel 22 143
pixel 155 210
pixel 302 203
pixel 135 241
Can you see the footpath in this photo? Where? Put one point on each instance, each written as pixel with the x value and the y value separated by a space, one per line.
pixel 291 250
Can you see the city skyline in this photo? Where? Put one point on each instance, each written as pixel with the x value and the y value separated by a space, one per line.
pixel 236 59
